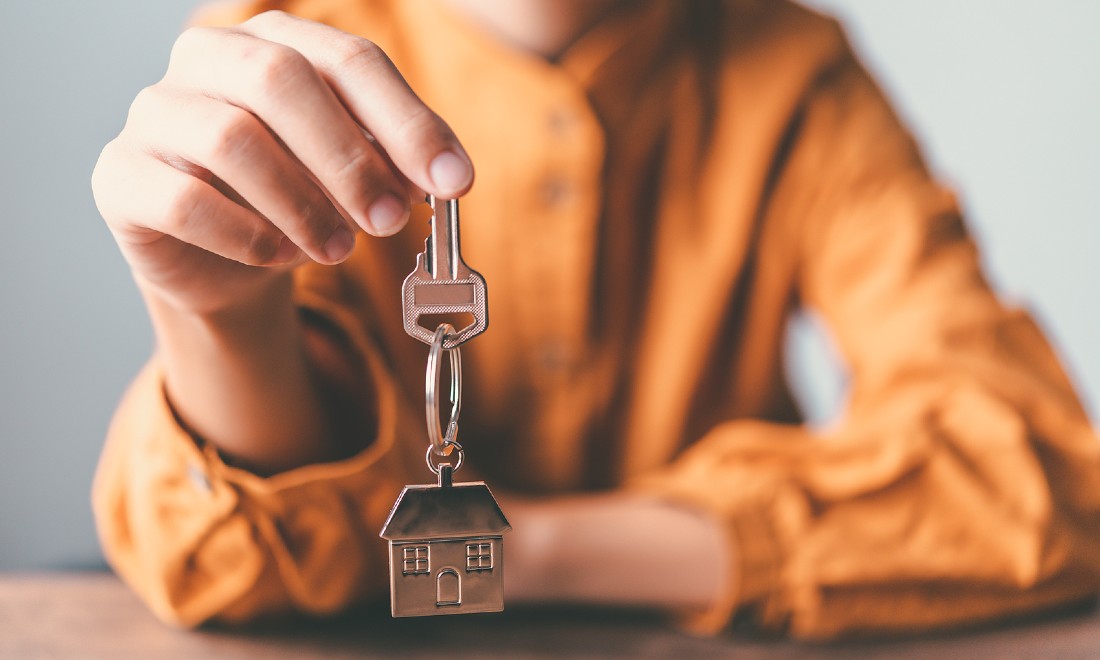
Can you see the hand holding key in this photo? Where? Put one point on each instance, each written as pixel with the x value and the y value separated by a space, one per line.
pixel 267 144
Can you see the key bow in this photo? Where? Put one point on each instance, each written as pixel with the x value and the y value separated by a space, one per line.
pixel 442 283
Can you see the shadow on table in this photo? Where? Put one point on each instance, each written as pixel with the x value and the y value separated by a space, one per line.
pixel 1072 631
pixel 517 632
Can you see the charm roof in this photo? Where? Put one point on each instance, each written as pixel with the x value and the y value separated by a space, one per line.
pixel 433 512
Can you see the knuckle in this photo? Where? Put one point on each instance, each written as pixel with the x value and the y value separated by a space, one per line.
pixel 357 54
pixel 181 206
pixel 234 133
pixel 191 40
pixel 359 179
pixel 422 126
pixel 358 167
pixel 107 155
pixel 144 101
pixel 315 220
pixel 101 177
pixel 276 67
pixel 261 246
pixel 271 16
pixel 146 117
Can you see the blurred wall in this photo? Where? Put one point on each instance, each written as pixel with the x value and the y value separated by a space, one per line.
pixel 1004 101
pixel 73 331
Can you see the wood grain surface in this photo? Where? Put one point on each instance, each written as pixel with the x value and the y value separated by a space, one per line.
pixel 93 615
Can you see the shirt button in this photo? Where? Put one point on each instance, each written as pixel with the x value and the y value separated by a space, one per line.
pixel 555 356
pixel 555 191
pixel 561 121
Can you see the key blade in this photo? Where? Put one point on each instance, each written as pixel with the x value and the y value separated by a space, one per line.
pixel 444 257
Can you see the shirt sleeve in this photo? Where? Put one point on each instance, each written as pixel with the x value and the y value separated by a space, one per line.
pixel 198 539
pixel 962 482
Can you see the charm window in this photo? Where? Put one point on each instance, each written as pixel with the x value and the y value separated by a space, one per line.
pixel 479 556
pixel 415 560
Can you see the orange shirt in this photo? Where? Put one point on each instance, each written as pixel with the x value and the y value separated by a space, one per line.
pixel 648 210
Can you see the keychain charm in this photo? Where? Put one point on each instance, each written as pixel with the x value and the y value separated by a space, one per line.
pixel 446 543
pixel 446 547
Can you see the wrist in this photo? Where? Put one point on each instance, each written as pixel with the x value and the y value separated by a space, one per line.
pixel 235 305
pixel 242 378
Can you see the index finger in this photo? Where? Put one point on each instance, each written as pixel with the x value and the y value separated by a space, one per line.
pixel 420 144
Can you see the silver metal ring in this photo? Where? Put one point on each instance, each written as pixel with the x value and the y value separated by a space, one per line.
pixel 451 444
pixel 442 442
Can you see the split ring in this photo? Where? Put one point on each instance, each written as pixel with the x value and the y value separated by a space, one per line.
pixel 442 443
pixel 451 444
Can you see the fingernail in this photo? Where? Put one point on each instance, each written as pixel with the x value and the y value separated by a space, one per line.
pixel 388 214
pixel 286 252
pixel 339 244
pixel 450 172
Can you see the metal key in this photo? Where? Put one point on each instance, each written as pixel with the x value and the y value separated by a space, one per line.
pixel 442 283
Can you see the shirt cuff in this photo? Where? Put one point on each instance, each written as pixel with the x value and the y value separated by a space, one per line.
pixel 761 515
pixel 755 552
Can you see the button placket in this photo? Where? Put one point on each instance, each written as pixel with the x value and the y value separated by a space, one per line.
pixel 558 213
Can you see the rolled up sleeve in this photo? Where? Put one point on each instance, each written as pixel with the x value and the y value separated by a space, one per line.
pixel 961 482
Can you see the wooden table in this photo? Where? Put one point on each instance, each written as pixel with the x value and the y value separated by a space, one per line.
pixel 92 615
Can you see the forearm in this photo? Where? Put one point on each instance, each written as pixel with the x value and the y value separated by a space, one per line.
pixel 246 380
pixel 616 549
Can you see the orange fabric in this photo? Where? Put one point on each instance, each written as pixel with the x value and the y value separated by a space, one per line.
pixel 648 211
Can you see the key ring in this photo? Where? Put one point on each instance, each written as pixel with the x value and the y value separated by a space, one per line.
pixel 451 444
pixel 442 443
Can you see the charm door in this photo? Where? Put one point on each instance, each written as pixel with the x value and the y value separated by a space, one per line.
pixel 448 588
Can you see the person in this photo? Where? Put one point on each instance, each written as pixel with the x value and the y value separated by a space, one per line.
pixel 659 185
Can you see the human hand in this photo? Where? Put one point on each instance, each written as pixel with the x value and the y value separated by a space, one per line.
pixel 263 146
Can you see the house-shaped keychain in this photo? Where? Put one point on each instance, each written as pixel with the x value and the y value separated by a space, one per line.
pixel 446 549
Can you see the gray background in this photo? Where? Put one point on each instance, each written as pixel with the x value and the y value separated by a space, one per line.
pixel 1004 96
